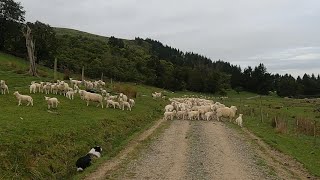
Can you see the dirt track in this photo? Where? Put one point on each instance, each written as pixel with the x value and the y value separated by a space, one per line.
pixel 199 150
pixel 196 150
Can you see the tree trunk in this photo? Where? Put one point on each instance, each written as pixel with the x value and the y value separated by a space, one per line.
pixel 30 44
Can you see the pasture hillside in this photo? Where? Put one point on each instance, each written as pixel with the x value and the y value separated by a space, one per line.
pixel 47 144
pixel 37 144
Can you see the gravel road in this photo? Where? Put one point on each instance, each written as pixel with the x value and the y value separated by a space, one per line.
pixel 196 150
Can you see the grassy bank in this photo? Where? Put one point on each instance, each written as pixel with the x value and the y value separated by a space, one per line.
pixel 36 144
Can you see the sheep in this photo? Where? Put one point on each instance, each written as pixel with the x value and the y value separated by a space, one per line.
pixel 52 102
pixel 181 114
pixel 125 104
pixel 21 98
pixel 103 92
pixel 169 108
pixel 226 112
pixel 93 97
pixel 113 103
pixel 4 87
pixel 123 97
pixel 113 97
pixel 70 95
pixel 33 88
pixel 81 93
pixel 156 95
pixel 193 114
pixel 239 120
pixel 169 114
pixel 47 88
pixel 131 102
pixel 209 115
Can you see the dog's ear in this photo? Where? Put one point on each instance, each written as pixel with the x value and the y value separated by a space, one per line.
pixel 98 149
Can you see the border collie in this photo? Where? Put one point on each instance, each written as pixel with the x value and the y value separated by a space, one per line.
pixel 85 161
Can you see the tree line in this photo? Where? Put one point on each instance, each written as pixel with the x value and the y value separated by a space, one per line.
pixel 140 60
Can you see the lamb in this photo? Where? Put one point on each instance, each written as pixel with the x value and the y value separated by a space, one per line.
pixel 125 104
pixel 3 87
pixel 70 95
pixel 94 98
pixel 33 88
pixel 169 114
pixel 226 112
pixel 131 102
pixel 181 114
pixel 209 115
pixel 81 93
pixel 169 108
pixel 123 97
pixel 239 120
pixel 113 103
pixel 21 98
pixel 52 102
pixel 103 92
pixel 193 114
pixel 47 88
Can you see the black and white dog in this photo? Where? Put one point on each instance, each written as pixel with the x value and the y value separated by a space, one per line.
pixel 85 161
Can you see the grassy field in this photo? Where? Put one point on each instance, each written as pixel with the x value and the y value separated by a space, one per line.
pixel 40 145
pixel 304 148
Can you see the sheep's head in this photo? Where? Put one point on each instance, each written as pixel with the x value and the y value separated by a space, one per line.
pixel 234 108
pixel 16 93
pixel 46 98
pixel 240 115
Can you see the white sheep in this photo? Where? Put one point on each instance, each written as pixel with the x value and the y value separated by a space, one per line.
pixel 52 102
pixel 169 114
pixel 132 102
pixel 193 115
pixel 21 98
pixel 226 112
pixel 169 108
pixel 33 88
pixel 125 104
pixel 209 115
pixel 181 114
pixel 239 120
pixel 4 87
pixel 113 103
pixel 70 95
pixel 94 98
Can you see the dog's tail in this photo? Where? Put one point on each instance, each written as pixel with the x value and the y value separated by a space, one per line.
pixel 79 169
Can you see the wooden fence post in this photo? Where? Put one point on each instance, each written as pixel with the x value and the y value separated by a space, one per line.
pixel 261 115
pixel 55 69
pixel 82 74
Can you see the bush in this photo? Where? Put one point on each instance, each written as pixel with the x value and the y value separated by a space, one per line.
pixel 128 90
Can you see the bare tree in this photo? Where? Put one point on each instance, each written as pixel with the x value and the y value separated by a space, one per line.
pixel 30 44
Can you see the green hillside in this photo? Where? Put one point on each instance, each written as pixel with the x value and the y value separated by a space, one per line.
pixel 37 144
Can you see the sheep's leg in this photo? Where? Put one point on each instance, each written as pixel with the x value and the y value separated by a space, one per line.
pixel 87 103
pixel 19 103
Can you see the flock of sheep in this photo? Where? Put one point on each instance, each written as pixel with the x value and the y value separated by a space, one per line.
pixel 199 109
pixel 120 101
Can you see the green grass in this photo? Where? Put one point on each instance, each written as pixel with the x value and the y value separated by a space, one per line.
pixel 36 144
pixel 302 147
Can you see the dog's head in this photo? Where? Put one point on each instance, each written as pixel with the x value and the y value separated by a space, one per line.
pixel 96 151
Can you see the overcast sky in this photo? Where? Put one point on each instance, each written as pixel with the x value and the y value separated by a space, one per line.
pixel 282 34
